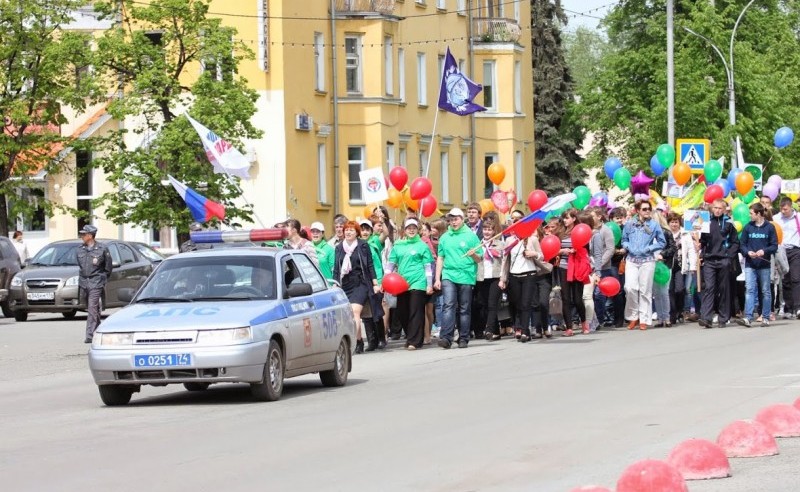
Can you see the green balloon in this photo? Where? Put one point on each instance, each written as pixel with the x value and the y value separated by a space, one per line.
pixel 622 178
pixel 749 198
pixel 712 171
pixel 662 274
pixel 666 155
pixel 741 213
pixel 616 231
pixel 582 197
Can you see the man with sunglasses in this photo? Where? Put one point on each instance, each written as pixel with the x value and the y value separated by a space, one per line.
pixel 719 248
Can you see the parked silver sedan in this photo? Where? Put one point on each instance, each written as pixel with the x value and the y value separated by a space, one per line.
pixel 243 315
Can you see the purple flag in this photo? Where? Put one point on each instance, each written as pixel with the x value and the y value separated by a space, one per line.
pixel 457 91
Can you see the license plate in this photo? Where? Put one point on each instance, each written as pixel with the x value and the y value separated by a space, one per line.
pixel 162 360
pixel 41 296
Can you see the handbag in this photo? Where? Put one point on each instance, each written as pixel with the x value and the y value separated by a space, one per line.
pixel 391 300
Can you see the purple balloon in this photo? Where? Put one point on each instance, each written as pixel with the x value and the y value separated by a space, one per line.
pixel 775 179
pixel 640 184
pixel 599 199
pixel 771 190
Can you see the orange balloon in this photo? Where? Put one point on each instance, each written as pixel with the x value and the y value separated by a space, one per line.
pixel 682 173
pixel 778 232
pixel 395 199
pixel 367 212
pixel 496 173
pixel 410 202
pixel 744 182
pixel 486 206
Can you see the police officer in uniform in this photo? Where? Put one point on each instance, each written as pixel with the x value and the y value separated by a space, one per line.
pixel 190 245
pixel 94 262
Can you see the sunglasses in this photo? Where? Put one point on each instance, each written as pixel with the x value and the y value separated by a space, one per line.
pixel 643 209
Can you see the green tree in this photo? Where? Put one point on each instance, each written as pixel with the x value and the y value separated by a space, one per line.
pixel 584 52
pixel 556 134
pixel 43 74
pixel 151 57
pixel 626 103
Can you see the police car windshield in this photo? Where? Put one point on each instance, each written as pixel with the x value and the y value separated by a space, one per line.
pixel 57 255
pixel 218 278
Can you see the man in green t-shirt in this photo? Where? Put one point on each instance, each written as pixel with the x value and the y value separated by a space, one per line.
pixel 325 252
pixel 456 273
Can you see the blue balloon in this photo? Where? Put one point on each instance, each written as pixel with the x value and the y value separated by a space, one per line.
pixel 611 165
pixel 723 183
pixel 656 166
pixel 732 178
pixel 783 137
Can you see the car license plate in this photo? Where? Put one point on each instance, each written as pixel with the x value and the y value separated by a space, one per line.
pixel 162 360
pixel 41 296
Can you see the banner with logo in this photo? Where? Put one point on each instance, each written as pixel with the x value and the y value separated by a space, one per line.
pixel 373 185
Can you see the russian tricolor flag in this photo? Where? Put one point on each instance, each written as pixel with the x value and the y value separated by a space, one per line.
pixel 202 208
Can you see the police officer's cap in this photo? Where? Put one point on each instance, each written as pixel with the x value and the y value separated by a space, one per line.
pixel 88 229
pixel 195 226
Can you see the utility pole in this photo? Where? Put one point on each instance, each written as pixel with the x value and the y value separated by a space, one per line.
pixel 670 73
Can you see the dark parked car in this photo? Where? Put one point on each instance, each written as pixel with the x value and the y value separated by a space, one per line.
pixel 49 281
pixel 9 266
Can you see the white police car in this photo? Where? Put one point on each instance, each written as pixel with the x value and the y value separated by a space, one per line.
pixel 244 315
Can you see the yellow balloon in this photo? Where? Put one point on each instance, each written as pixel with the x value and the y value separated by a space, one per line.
pixel 395 199
pixel 737 225
pixel 486 206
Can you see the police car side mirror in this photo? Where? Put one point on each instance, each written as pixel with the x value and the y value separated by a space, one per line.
pixel 125 294
pixel 298 290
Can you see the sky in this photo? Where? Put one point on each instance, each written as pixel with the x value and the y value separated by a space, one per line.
pixel 589 10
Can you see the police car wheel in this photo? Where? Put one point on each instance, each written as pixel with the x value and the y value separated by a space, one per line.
pixel 115 395
pixel 271 386
pixel 341 364
pixel 196 386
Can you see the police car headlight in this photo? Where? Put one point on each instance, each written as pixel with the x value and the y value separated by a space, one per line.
pixel 72 282
pixel 16 281
pixel 115 338
pixel 234 335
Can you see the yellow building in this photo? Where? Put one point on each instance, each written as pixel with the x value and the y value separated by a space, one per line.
pixel 359 89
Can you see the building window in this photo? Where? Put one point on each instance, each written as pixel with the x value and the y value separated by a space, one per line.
pixel 488 186
pixel 389 155
pixel 355 164
pixel 322 172
pixel 30 210
pixel 445 157
pixel 489 97
pixel 518 171
pixel 84 185
pixel 422 80
pixel 465 177
pixel 516 11
pixel 440 67
pixel 319 62
pixel 401 73
pixel 461 6
pixel 461 65
pixel 423 162
pixel 388 63
pixel 353 71
pixel 441 4
pixel 403 157
pixel 518 87
pixel 219 67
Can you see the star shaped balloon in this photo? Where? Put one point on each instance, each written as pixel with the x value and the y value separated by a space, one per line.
pixel 640 185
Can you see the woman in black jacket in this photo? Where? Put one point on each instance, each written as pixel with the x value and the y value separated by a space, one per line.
pixel 354 270
pixel 667 257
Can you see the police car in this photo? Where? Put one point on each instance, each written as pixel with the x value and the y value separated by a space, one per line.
pixel 243 315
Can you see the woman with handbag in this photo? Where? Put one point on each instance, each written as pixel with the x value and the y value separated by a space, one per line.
pixel 518 273
pixel 354 269
pixel 487 289
pixel 413 260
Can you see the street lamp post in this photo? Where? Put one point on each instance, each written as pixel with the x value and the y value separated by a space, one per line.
pixel 728 67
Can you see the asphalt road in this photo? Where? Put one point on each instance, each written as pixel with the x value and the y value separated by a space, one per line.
pixel 543 416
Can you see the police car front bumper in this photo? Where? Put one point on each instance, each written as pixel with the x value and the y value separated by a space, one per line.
pixel 242 363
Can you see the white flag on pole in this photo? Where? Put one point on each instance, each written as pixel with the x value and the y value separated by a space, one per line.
pixel 373 185
pixel 739 155
pixel 223 156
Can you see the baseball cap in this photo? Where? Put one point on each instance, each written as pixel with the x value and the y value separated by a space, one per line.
pixel 318 226
pixel 456 212
pixel 411 221
pixel 88 229
pixel 365 222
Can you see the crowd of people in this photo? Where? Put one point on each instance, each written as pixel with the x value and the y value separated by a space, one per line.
pixel 466 280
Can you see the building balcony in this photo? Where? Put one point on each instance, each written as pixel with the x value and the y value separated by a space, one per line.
pixel 495 30
pixel 364 7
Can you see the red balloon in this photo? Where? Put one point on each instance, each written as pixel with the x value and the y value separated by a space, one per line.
pixel 713 192
pixel 550 247
pixel 429 205
pixel 581 235
pixel 394 284
pixel 399 177
pixel 536 200
pixel 420 188
pixel 609 286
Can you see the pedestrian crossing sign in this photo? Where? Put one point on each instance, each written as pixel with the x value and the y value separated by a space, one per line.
pixel 695 152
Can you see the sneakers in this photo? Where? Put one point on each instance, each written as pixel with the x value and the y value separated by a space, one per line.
pixel 585 328
pixel 411 347
pixel 462 343
pixel 445 344
pixel 744 322
pixel 549 332
pixel 764 323
pixel 524 338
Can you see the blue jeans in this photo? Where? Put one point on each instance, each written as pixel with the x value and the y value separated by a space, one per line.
pixel 457 299
pixel 661 301
pixel 599 299
pixel 689 283
pixel 756 279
